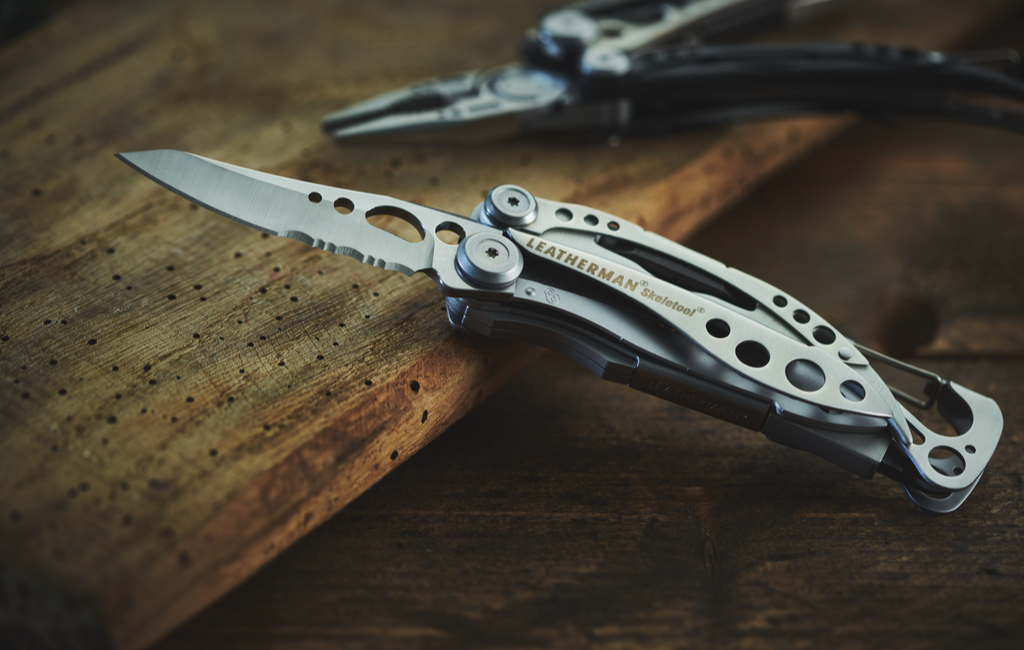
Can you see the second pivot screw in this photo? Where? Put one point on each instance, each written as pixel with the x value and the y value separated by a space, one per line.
pixel 510 206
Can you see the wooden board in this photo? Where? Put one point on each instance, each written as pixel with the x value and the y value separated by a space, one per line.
pixel 567 512
pixel 183 398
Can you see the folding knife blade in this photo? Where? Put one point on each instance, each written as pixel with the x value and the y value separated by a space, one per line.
pixel 333 219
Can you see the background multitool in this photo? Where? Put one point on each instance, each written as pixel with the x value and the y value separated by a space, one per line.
pixel 606 67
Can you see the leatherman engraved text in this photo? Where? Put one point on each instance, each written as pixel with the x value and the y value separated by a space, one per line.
pixel 578 262
pixel 608 275
pixel 670 304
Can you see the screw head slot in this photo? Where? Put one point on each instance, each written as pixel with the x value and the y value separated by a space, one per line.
pixel 489 261
pixel 509 206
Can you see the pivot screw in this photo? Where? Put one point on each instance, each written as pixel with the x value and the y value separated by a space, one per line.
pixel 489 261
pixel 510 206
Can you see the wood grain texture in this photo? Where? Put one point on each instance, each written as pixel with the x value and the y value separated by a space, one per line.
pixel 567 512
pixel 183 398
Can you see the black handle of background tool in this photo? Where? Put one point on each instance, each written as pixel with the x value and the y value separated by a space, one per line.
pixel 666 87
pixel 756 69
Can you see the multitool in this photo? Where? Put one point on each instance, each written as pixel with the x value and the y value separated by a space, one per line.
pixel 634 308
pixel 606 67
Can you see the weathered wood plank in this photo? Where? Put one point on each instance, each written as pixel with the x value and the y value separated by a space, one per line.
pixel 182 398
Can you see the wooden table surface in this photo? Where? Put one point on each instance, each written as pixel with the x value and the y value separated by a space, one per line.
pixel 143 475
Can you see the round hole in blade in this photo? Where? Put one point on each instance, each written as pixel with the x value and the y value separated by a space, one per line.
pixel 824 335
pixel 344 206
pixel 314 197
pixel 398 222
pixel 801 316
pixel 450 233
pixel 805 375
pixel 753 354
pixel 718 328
pixel 563 215
pixel 852 390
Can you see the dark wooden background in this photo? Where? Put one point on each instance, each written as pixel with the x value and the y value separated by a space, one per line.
pixel 563 511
